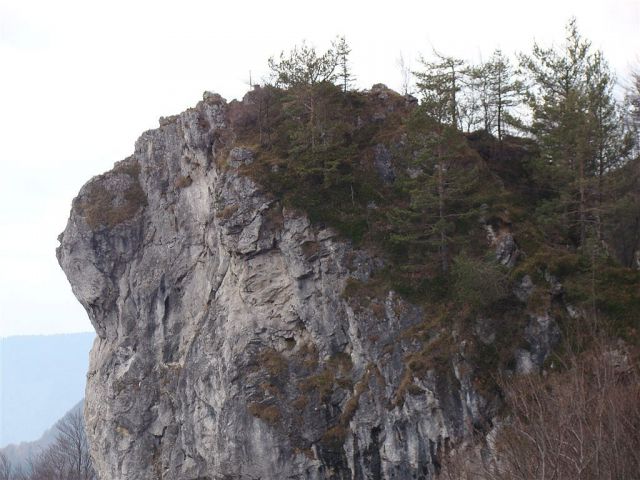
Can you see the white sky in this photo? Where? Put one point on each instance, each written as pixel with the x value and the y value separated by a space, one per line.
pixel 81 80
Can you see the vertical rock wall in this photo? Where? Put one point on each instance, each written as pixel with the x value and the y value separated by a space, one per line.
pixel 226 347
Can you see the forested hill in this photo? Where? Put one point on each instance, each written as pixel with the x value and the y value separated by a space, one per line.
pixel 322 282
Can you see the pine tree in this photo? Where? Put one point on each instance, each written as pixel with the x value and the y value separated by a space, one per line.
pixel 477 109
pixel 440 192
pixel 303 72
pixel 574 120
pixel 503 92
pixel 632 113
pixel 440 83
pixel 556 95
pixel 610 142
pixel 343 50
pixel 303 67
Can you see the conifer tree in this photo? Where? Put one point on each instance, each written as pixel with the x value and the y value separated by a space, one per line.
pixel 503 92
pixel 441 191
pixel 574 120
pixel 632 112
pixel 440 83
pixel 343 50
pixel 492 94
pixel 304 67
pixel 302 72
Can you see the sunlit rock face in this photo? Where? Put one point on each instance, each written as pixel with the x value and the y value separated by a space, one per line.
pixel 227 348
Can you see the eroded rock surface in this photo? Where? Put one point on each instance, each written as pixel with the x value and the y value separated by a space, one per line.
pixel 226 347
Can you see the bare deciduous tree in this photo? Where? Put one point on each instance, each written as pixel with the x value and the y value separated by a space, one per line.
pixel 405 73
pixel 5 467
pixel 67 458
pixel 581 423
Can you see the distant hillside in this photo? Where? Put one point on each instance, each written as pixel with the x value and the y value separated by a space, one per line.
pixel 19 454
pixel 41 378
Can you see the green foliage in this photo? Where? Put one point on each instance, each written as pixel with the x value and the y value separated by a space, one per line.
pixel 345 76
pixel 420 221
pixel 607 292
pixel 617 295
pixel 321 383
pixel 632 108
pixel 622 223
pixel 478 283
pixel 497 95
pixel 578 127
pixel 307 78
pixel 440 195
pixel 440 83
pixel 555 191
pixel 303 67
pixel 328 176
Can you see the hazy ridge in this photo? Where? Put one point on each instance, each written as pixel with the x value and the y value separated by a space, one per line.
pixel 41 378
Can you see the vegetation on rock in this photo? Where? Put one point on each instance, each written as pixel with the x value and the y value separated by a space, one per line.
pixel 405 181
pixel 490 181
pixel 496 214
pixel 108 207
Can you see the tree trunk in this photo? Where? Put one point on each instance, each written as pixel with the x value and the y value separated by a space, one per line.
pixel 500 107
pixel 454 105
pixel 444 248
pixel 582 206
pixel 312 120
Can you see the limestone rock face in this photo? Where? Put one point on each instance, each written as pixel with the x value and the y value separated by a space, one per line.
pixel 226 347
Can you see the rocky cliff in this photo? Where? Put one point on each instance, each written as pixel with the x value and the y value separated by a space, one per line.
pixel 226 347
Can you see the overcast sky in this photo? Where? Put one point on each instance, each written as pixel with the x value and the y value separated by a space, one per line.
pixel 81 80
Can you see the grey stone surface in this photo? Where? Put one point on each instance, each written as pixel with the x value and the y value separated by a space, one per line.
pixel 382 162
pixel 226 347
pixel 524 288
